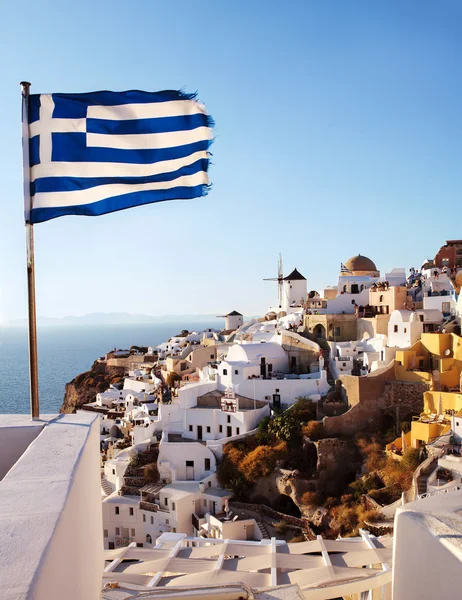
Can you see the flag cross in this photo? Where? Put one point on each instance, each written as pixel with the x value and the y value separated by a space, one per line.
pixel 47 125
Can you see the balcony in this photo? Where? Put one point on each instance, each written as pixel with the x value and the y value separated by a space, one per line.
pixel 150 506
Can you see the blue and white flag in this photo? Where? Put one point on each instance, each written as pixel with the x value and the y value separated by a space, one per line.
pixel 91 154
pixel 343 269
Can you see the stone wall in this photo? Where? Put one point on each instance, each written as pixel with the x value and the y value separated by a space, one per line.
pixel 303 350
pixel 363 394
pixel 403 397
pixel 374 396
pixel 266 511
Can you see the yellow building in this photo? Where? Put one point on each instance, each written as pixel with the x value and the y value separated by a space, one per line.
pixel 437 360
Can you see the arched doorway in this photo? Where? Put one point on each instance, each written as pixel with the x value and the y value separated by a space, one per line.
pixel 319 331
pixel 148 539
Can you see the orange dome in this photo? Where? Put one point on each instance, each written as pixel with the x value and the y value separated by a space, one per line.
pixel 360 263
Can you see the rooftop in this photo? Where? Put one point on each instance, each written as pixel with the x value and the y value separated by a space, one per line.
pixel 316 566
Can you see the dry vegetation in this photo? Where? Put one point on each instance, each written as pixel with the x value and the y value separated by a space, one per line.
pixel 279 442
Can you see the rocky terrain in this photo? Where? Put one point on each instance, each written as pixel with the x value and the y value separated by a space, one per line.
pixel 84 387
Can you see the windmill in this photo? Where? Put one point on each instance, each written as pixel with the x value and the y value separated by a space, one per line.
pixel 279 279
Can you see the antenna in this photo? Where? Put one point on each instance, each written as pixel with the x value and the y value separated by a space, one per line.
pixel 279 279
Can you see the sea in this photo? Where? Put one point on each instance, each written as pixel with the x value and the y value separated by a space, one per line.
pixel 64 352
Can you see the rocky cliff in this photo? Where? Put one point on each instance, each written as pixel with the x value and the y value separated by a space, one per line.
pixel 84 387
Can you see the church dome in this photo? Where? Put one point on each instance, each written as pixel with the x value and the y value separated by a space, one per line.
pixel 361 265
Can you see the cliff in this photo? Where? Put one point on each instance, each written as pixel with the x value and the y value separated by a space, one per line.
pixel 84 387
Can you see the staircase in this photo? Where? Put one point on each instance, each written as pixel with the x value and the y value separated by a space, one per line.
pixel 262 529
pixel 325 354
pixel 106 486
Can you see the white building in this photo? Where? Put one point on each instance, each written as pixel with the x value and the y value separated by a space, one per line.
pixel 261 371
pixel 233 320
pixel 405 327
pixel 294 291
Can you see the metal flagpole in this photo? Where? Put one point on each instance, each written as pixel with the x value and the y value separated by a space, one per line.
pixel 33 363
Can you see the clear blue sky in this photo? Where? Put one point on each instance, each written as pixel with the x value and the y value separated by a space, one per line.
pixel 339 130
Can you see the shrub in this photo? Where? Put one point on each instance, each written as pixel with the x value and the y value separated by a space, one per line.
pixel 261 461
pixel 314 430
pixel 331 502
pixel 281 527
pixel 310 499
pixel 285 427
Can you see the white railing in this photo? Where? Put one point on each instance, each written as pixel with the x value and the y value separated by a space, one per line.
pixel 456 488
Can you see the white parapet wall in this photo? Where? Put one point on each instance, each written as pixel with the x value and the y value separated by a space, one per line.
pixel 427 552
pixel 51 538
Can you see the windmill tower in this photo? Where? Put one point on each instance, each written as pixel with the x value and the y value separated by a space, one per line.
pixel 279 279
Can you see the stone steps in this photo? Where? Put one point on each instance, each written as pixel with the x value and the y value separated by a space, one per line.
pixel 106 486
pixel 262 529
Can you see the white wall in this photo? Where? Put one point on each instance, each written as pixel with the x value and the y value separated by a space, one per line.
pixel 124 519
pixel 289 389
pixel 427 559
pixel 402 334
pixel 51 534
pixel 175 456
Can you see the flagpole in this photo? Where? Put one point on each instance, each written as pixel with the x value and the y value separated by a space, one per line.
pixel 32 320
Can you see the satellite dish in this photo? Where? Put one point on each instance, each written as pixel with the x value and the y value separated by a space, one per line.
pixel 447 352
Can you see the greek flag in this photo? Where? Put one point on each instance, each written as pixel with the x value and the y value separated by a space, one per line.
pixel 91 154
pixel 343 269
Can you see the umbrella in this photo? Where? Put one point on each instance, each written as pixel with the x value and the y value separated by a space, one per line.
pixel 403 442
pixel 440 405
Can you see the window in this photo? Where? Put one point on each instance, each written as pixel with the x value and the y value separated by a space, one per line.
pixel 208 429
pixel 133 533
pixel 228 419
pixel 173 505
pixel 337 331
pixel 117 531
pixel 236 372
pixel 457 423
pixel 220 428
pixel 117 510
pixel 174 529
pixel 211 357
pixel 405 330
pixel 421 318
pixel 166 501
pixel 207 464
pixel 225 371
pixel 144 518
pixel 131 512
pixel 210 484
pixel 205 503
pixel 148 539
pixel 113 471
pixel 106 533
pixel 152 520
pixel 237 430
pixel 381 299
pixel 167 521
pixel 190 428
pixel 395 329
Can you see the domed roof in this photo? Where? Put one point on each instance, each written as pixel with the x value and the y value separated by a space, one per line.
pixel 360 263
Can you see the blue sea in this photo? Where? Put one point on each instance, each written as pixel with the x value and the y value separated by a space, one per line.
pixel 64 352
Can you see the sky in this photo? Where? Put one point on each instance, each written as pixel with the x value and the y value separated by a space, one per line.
pixel 338 132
